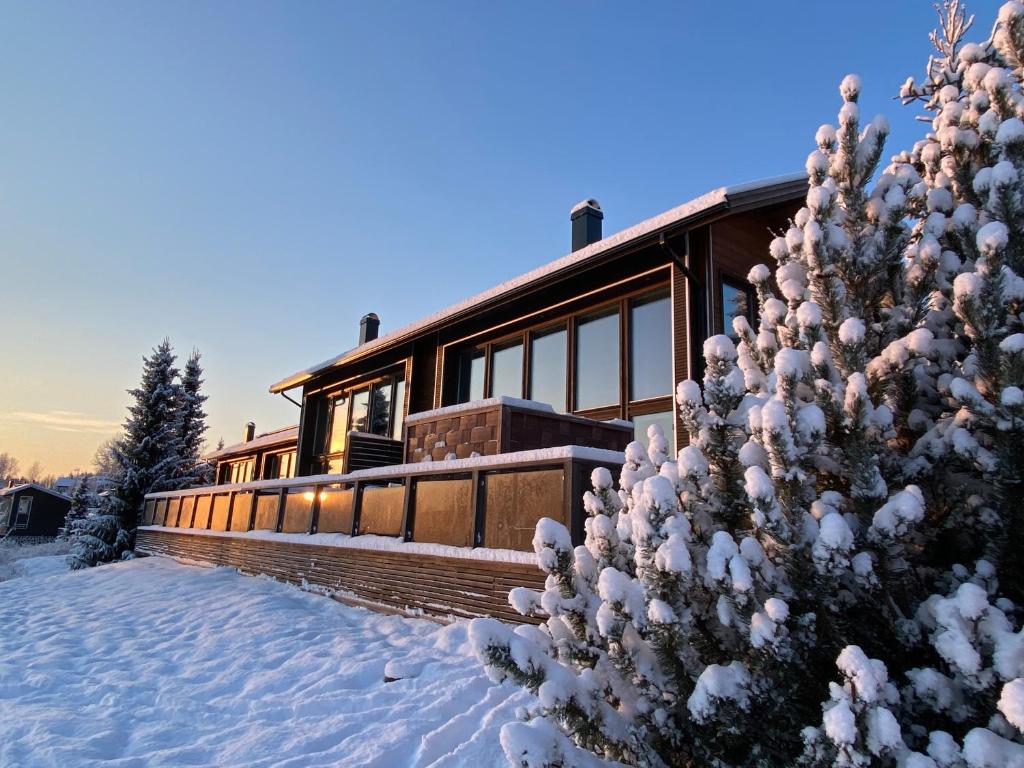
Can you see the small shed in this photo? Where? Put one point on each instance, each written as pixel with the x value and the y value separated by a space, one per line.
pixel 32 510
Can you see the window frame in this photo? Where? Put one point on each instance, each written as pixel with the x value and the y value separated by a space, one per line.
pixel 738 284
pixel 322 456
pixel 19 524
pixel 452 352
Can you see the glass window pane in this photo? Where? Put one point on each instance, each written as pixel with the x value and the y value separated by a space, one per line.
pixel 548 368
pixel 507 371
pixel 360 410
pixel 597 360
pixel 735 302
pixel 641 423
pixel 339 424
pixel 471 375
pixel 396 428
pixel 650 347
pixel 380 419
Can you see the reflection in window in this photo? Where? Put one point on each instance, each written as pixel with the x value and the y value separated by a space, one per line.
pixel 547 368
pixel 360 410
pixel 650 347
pixel 735 302
pixel 380 421
pixel 471 375
pixel 396 427
pixel 597 361
pixel 665 420
pixel 339 424
pixel 507 371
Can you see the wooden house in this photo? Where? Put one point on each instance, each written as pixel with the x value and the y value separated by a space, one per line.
pixel 258 457
pixel 30 509
pixel 447 439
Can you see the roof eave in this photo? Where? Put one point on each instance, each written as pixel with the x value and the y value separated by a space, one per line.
pixel 740 199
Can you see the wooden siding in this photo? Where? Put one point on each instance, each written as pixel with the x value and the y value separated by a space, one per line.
pixel 680 343
pixel 739 243
pixel 439 586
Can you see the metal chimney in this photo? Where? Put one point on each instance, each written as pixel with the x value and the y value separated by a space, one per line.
pixel 250 432
pixel 368 328
pixel 586 223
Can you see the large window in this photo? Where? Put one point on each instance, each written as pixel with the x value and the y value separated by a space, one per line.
pixel 472 366
pixel 737 300
pixel 383 394
pixel 399 410
pixel 339 423
pixel 664 419
pixel 241 471
pixel 360 420
pixel 597 360
pixel 374 407
pixel 507 370
pixel 279 465
pixel 582 363
pixel 548 367
pixel 650 347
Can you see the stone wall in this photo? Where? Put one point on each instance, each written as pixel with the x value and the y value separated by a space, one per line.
pixel 462 433
pixel 502 428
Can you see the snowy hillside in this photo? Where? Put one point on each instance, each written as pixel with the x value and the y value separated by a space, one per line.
pixel 155 663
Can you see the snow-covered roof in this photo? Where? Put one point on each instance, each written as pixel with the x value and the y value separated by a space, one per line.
pixel 689 212
pixel 36 486
pixel 264 440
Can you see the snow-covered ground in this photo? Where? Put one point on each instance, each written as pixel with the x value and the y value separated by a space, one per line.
pixel 36 558
pixel 156 663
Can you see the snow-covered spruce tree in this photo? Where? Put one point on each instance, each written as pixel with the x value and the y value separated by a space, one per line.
pixel 149 450
pixel 81 501
pixel 843 462
pixel 96 539
pixel 191 470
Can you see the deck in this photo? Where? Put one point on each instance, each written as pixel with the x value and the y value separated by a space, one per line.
pixel 447 538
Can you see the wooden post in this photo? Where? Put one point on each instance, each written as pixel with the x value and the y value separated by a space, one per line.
pixel 357 503
pixel 314 513
pixel 281 496
pixel 575 472
pixel 479 502
pixel 231 507
pixel 252 510
pixel 409 509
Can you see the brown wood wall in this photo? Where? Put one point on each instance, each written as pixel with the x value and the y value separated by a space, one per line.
pixel 739 243
pixel 439 586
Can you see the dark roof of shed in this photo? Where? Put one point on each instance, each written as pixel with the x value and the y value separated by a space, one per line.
pixel 35 486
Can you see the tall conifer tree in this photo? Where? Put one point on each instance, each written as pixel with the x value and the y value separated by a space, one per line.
pixel 149 451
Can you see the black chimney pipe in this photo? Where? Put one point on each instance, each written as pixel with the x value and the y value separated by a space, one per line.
pixel 368 328
pixel 586 223
pixel 250 432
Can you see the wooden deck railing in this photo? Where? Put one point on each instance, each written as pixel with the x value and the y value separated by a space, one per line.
pixel 491 502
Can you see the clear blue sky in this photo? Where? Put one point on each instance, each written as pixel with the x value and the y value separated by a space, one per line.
pixel 251 178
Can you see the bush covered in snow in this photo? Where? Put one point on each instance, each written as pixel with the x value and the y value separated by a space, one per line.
pixel 848 507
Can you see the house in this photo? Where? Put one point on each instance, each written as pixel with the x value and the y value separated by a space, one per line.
pixel 258 457
pixel 446 440
pixel 95 484
pixel 30 509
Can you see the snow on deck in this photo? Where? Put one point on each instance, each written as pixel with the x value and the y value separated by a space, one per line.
pixel 154 663
pixel 558 453
pixel 472 405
